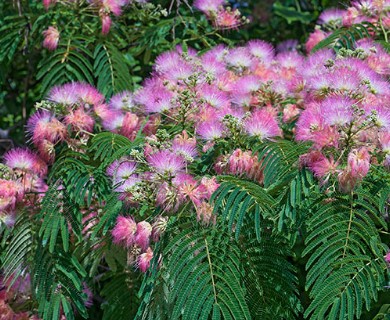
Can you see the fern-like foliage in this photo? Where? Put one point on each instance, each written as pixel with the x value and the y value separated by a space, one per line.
pixel 206 273
pixel 111 70
pixel 70 62
pixel 345 263
pixel 83 180
pixel 345 37
pixel 19 250
pixel 237 199
pixel 271 279
pixel 57 274
pixel 120 294
pixel 11 31
pixel 199 277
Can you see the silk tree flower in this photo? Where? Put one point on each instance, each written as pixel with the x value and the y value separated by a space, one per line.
pixel 323 167
pixel 42 125
pixel 261 50
pixel 331 17
pixel 124 231
pixel 213 96
pixel 47 3
pixel 154 96
pixel 51 38
pixel 142 236
pixel 208 6
pixel 384 141
pixel 130 125
pixel 227 19
pixel 121 169
pixel 144 259
pixel 337 110
pixel 26 161
pixel 79 121
pixel 239 58
pixel 10 193
pixel 210 130
pixel 314 38
pixel 186 186
pixel 122 101
pixel 184 145
pixel 262 124
pixel 359 162
pixel 166 162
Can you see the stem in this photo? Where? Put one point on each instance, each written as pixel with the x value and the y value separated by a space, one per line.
pixel 211 271
pixel 349 224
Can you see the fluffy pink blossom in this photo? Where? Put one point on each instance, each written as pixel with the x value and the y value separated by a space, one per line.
pixel 331 16
pixel 210 130
pixel 144 260
pixel 124 231
pixel 80 121
pixel 142 236
pixel 208 6
pixel 26 161
pixel 10 193
pixel 154 96
pixel 184 145
pixel 42 125
pixel 262 124
pixel 314 38
pixel 337 110
pixel 387 257
pixel 130 125
pixel 106 23
pixel 52 36
pixel 122 101
pixel 166 162
pixel 359 162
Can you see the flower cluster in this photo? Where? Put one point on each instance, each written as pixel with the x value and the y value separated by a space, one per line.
pixel 21 182
pixel 221 16
pixel 375 12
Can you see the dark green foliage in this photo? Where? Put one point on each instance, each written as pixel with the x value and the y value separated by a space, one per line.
pixel 110 70
pixel 345 265
pixel 237 199
pixel 120 293
pixel 200 274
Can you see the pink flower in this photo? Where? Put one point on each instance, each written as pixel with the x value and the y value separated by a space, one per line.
pixel 166 162
pixel 331 16
pixel 80 121
pixel 42 125
pixel 227 19
pixel 204 213
pixel 323 167
pixel 10 193
pixel 262 124
pixel 314 38
pixel 184 145
pixel 359 162
pixel 47 3
pixel 142 236
pixel 208 6
pixel 144 260
pixel 384 140
pixel 387 257
pixel 26 161
pixel 106 23
pixel 210 130
pixel 337 110
pixel 261 50
pixel 290 112
pixel 213 96
pixel 130 125
pixel 52 36
pixel 124 231
pixel 154 96
pixel 122 101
